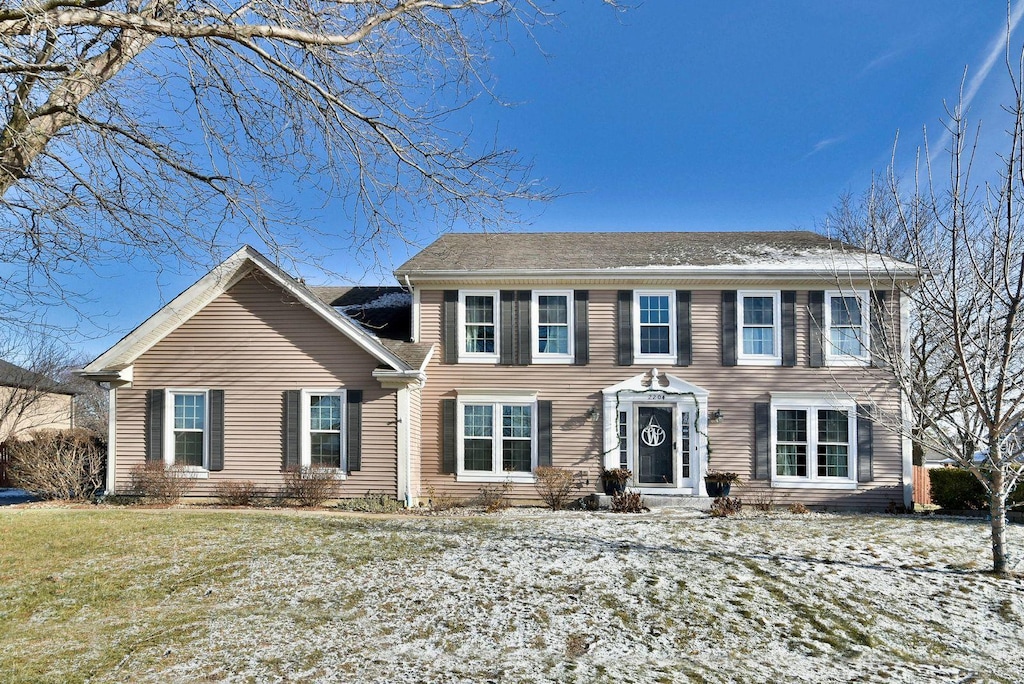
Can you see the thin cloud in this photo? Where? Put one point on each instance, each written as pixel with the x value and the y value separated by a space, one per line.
pixel 881 59
pixel 824 144
pixel 996 50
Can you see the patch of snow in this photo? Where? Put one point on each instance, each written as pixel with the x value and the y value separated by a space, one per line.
pixel 667 596
pixel 388 300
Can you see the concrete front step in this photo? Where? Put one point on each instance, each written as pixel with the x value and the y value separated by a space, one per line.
pixel 700 503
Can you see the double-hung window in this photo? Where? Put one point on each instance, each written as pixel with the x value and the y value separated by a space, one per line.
pixel 758 318
pixel 654 331
pixel 552 326
pixel 189 419
pixel 478 326
pixel 322 438
pixel 813 442
pixel 185 421
pixel 498 438
pixel 846 336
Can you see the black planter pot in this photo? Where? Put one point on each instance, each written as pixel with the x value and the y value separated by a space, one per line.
pixel 613 487
pixel 717 489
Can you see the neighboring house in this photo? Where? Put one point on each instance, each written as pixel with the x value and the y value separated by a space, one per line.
pixel 29 401
pixel 667 353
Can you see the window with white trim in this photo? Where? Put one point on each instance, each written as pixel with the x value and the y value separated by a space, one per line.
pixel 188 438
pixel 498 438
pixel 758 321
pixel 552 326
pixel 478 326
pixel 814 443
pixel 846 329
pixel 322 440
pixel 654 328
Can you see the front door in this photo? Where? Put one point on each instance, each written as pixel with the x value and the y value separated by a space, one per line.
pixel 654 445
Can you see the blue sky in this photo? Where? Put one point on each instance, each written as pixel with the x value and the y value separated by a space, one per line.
pixel 744 115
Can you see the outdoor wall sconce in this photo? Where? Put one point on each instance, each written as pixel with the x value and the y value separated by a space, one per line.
pixel 593 414
pixel 716 416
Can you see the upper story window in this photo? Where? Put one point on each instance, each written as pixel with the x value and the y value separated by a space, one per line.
pixel 498 438
pixel 654 334
pixel 478 326
pixel 188 433
pixel 814 443
pixel 758 316
pixel 846 338
pixel 322 437
pixel 552 326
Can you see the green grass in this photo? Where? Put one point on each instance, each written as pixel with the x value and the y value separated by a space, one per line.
pixel 119 595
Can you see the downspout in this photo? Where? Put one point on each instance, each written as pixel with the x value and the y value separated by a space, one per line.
pixel 111 440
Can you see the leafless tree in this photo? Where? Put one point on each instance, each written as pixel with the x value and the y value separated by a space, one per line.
pixel 31 396
pixel 962 366
pixel 157 129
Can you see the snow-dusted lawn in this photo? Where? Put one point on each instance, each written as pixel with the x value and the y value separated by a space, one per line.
pixel 517 597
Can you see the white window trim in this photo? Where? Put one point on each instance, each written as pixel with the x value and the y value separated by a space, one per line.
pixel 193 472
pixel 832 356
pixel 812 403
pixel 497 400
pixel 537 356
pixel 640 358
pixel 305 456
pixel 760 359
pixel 479 357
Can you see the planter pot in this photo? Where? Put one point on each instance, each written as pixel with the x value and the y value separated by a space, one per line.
pixel 613 487
pixel 717 489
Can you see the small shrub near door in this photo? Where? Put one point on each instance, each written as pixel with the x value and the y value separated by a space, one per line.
pixel 58 464
pixel 556 486
pixel 160 483
pixel 957 489
pixel 311 486
pixel 627 502
pixel 725 506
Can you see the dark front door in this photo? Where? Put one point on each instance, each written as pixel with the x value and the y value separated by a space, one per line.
pixel 654 445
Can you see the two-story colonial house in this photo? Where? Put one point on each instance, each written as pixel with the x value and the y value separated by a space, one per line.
pixel 670 354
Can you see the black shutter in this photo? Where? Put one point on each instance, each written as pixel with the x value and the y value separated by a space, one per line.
pixel 544 433
pixel 292 421
pixel 506 339
pixel 788 328
pixel 354 429
pixel 216 408
pixel 816 327
pixel 684 329
pixel 581 327
pixel 523 329
pixel 450 326
pixel 155 425
pixel 728 327
pixel 879 313
pixel 865 444
pixel 762 440
pixel 624 327
pixel 448 438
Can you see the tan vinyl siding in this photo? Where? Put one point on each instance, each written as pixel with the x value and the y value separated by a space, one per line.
pixel 254 342
pixel 577 443
pixel 415 442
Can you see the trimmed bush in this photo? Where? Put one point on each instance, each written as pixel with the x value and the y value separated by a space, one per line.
pixel 59 464
pixel 957 489
pixel 627 502
pixel 556 486
pixel 235 492
pixel 724 506
pixel 160 483
pixel 311 486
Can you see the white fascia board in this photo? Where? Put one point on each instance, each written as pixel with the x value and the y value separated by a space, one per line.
pixel 212 285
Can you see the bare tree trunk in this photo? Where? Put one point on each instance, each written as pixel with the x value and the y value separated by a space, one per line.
pixel 997 509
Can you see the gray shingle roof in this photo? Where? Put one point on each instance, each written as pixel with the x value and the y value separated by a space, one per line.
pixel 383 311
pixel 561 251
pixel 16 376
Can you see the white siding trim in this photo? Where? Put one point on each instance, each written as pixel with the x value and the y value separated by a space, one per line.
pixel 404 446
pixel 111 484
